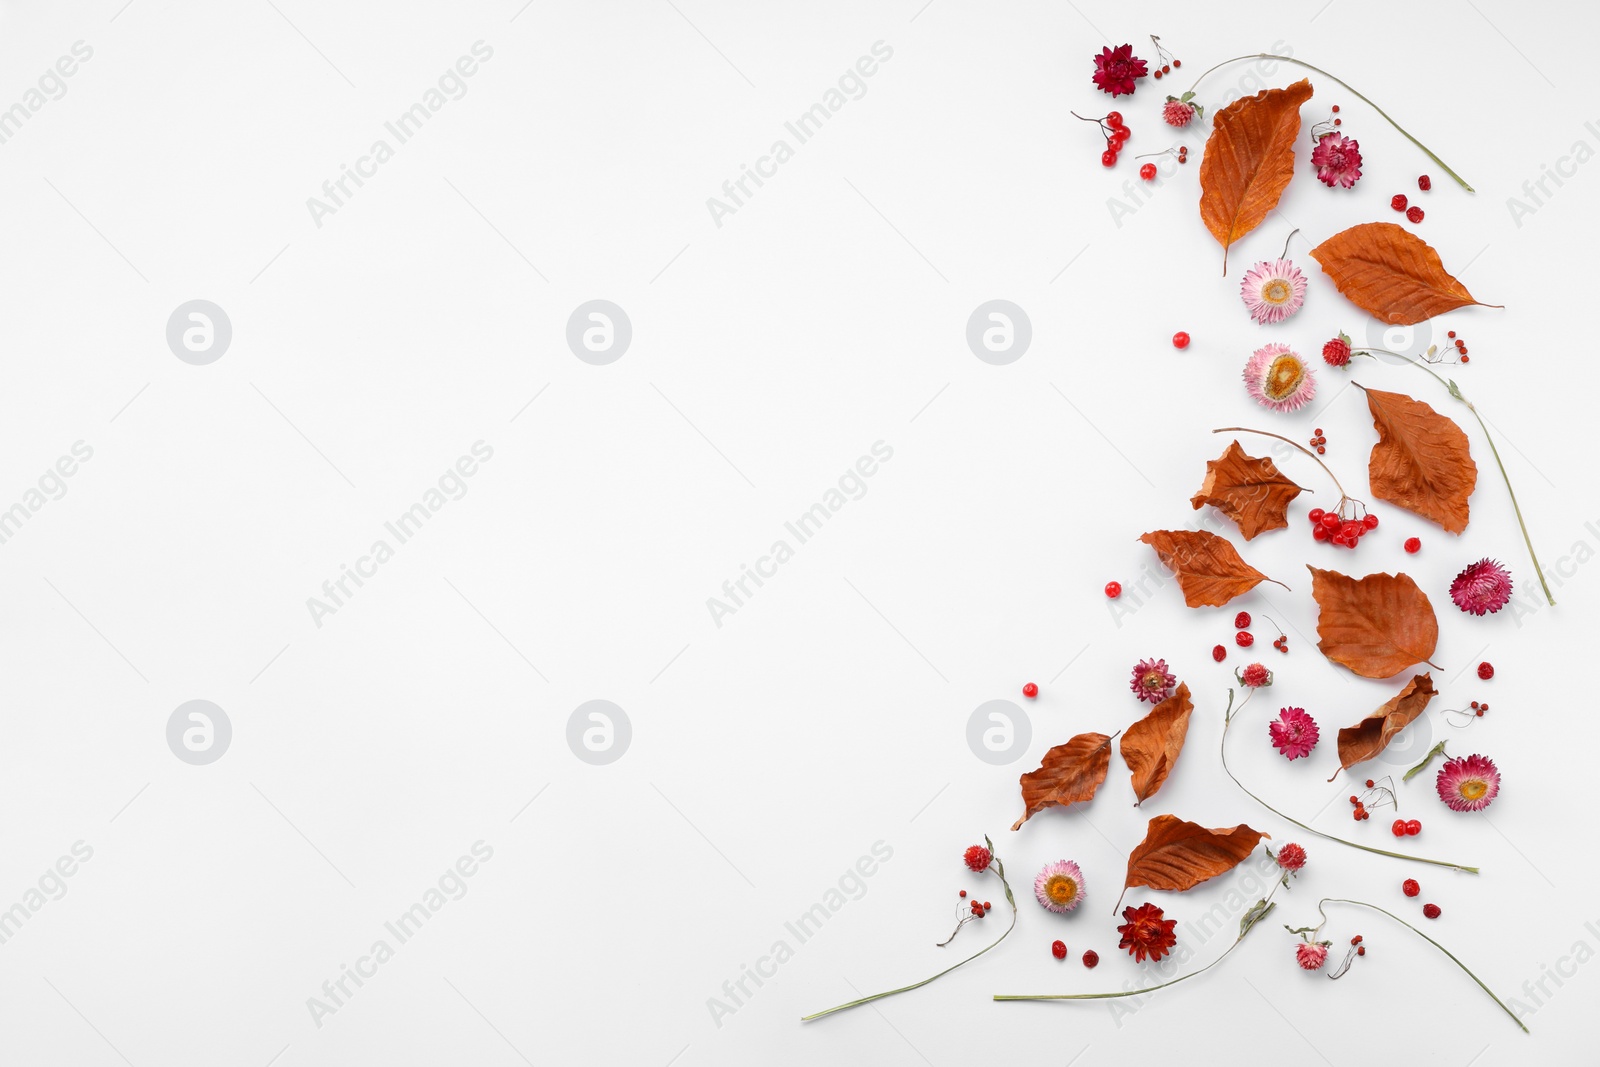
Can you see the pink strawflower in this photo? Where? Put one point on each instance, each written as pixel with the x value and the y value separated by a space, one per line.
pixel 1152 681
pixel 1336 353
pixel 1278 379
pixel 1116 69
pixel 1483 587
pixel 977 858
pixel 1254 676
pixel 1294 733
pixel 1273 291
pixel 1178 113
pixel 1311 955
pixel 1059 887
pixel 1337 159
pixel 1291 857
pixel 1468 783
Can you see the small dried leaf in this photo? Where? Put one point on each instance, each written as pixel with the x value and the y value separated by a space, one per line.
pixel 1208 567
pixel 1390 273
pixel 1258 911
pixel 1069 773
pixel 1372 735
pixel 1422 461
pixel 1252 492
pixel 1436 750
pixel 1377 626
pixel 1150 747
pixel 1180 855
pixel 1248 161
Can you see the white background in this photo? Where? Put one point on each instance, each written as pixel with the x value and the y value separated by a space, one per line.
pixel 768 354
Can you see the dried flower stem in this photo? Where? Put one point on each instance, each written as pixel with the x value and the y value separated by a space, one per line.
pixel 1231 714
pixel 1245 429
pixel 1000 871
pixel 1425 937
pixel 1359 95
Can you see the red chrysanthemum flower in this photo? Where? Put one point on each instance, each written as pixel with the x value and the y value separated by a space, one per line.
pixel 1482 588
pixel 977 859
pixel 1255 676
pixel 1291 857
pixel 1311 955
pixel 1177 112
pixel 1337 159
pixel 1145 933
pixel 1336 353
pixel 1294 733
pixel 1152 681
pixel 1116 69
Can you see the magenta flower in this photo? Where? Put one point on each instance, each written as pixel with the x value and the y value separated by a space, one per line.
pixel 1116 70
pixel 1468 783
pixel 1152 681
pixel 1294 734
pixel 1310 955
pixel 1483 587
pixel 1179 112
pixel 1337 159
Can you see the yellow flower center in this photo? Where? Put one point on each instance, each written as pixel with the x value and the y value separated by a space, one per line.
pixel 1276 291
pixel 1061 889
pixel 1284 376
pixel 1473 788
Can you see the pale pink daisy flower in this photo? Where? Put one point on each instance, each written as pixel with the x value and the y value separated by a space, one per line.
pixel 1294 733
pixel 1311 955
pixel 1059 887
pixel 1278 379
pixel 1468 783
pixel 1337 159
pixel 1272 291
pixel 1483 587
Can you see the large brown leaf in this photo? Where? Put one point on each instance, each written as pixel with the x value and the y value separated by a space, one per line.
pixel 1069 773
pixel 1389 272
pixel 1208 567
pixel 1372 735
pixel 1252 492
pixel 1422 461
pixel 1150 747
pixel 1180 855
pixel 1377 626
pixel 1248 162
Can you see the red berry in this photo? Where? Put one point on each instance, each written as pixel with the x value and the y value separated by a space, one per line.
pixel 1166 68
pixel 1113 589
pixel 1241 621
pixel 1319 532
pixel 1353 800
pixel 1399 828
pixel 1030 690
pixel 1114 119
pixel 1431 911
pixel 1424 183
pixel 963 892
pixel 1108 158
pixel 1177 62
pixel 1158 75
pixel 1180 340
pixel 1058 949
pixel 1486 670
pixel 1369 783
pixel 1148 172
pixel 1219 653
pixel 1414 213
pixel 1090 958
pixel 1413 545
pixel 1413 827
pixel 987 905
pixel 1335 109
pixel 1331 521
pixel 1244 639
pixel 1361 950
pixel 1356 940
pixel 1398 201
pixel 1121 134
pixel 1316 514
pixel 1370 522
pixel 1466 359
pixel 1451 333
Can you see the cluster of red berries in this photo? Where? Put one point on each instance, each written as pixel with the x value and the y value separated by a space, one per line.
pixel 1116 133
pixel 1478 709
pixel 1361 950
pixel 1460 346
pixel 1485 670
pixel 1148 171
pixel 1406 827
pixel 1168 62
pixel 1384 797
pixel 979 908
pixel 1360 814
pixel 1329 526
pixel 1398 202
pixel 1413 545
pixel 1318 441
pixel 1030 690
pixel 1410 888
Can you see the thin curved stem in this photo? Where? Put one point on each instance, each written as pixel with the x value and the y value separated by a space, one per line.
pixel 1245 429
pixel 1285 253
pixel 1228 722
pixel 1359 95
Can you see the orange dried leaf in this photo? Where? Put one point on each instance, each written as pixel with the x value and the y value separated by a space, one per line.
pixel 1208 567
pixel 1150 747
pixel 1069 773
pixel 1422 461
pixel 1180 855
pixel 1372 735
pixel 1391 273
pixel 1377 626
pixel 1252 492
pixel 1248 161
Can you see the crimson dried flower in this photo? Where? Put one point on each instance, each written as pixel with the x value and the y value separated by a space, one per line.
pixel 977 858
pixel 1152 681
pixel 1295 733
pixel 1336 353
pixel 1145 933
pixel 1337 159
pixel 1116 70
pixel 1482 588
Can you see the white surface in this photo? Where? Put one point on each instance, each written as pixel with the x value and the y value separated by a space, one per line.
pixel 768 354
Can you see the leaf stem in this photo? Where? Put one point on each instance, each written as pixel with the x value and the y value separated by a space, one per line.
pixel 1228 722
pixel 1302 63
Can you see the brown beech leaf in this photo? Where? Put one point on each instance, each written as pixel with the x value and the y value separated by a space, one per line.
pixel 1069 773
pixel 1421 462
pixel 1208 567
pixel 1151 745
pixel 1372 735
pixel 1252 492
pixel 1180 855
pixel 1377 626
pixel 1249 160
pixel 1390 273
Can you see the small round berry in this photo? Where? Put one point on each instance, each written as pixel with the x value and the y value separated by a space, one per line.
pixel 1369 783
pixel 1370 522
pixel 1180 339
pixel 1166 68
pixel 963 892
pixel 1399 828
pixel 1331 521
pixel 1424 183
pixel 1356 940
pixel 1413 545
pixel 1158 75
pixel 1335 109
pixel 1058 949
pixel 1108 158
pixel 1030 690
pixel 1353 800
pixel 1413 827
pixel 1414 213
pixel 1319 532
pixel 1317 432
pixel 1244 639
pixel 1177 62
pixel 1090 958
pixel 1322 450
pixel 1485 670
pixel 1114 119
pixel 1466 359
pixel 1398 201
pixel 1361 950
pixel 987 905
pixel 1432 911
pixel 1316 514
pixel 1219 653
pixel 1113 589
pixel 1148 172
pixel 1241 621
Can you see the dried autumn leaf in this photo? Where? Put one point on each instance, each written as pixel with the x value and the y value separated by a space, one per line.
pixel 1208 567
pixel 1069 773
pixel 1248 161
pixel 1180 855
pixel 1377 626
pixel 1252 492
pixel 1372 735
pixel 1390 273
pixel 1422 461
pixel 1151 745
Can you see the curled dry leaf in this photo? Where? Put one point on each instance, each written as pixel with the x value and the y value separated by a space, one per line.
pixel 1390 273
pixel 1252 492
pixel 1422 461
pixel 1377 626
pixel 1069 773
pixel 1208 567
pixel 1150 747
pixel 1248 161
pixel 1180 855
pixel 1372 735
